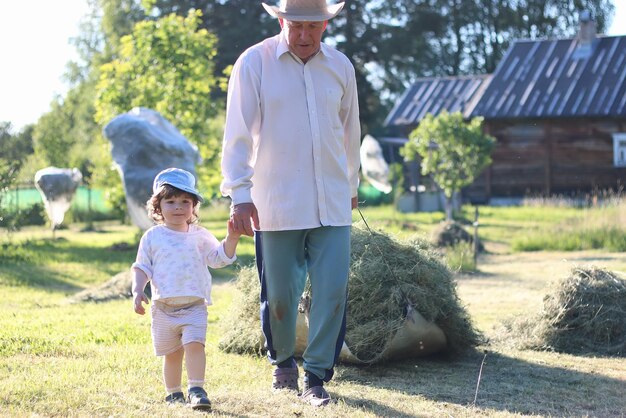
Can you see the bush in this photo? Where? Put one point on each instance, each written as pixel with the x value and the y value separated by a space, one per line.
pixel 32 215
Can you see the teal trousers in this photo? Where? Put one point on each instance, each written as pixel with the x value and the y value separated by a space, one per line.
pixel 284 260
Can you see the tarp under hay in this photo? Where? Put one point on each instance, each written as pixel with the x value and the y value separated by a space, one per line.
pixel 402 303
pixel 584 313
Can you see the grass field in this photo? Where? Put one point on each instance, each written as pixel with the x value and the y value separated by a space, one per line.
pixel 95 359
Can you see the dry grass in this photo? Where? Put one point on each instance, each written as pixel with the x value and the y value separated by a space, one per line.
pixel 95 360
pixel 386 277
pixel 584 313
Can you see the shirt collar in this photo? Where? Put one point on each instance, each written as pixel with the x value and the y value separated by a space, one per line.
pixel 283 48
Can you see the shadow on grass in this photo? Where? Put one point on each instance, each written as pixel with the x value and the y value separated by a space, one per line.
pixel 33 262
pixel 36 276
pixel 507 384
pixel 381 409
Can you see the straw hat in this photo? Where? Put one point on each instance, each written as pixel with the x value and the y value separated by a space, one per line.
pixel 304 10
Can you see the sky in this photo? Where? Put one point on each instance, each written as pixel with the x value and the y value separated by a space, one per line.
pixel 35 47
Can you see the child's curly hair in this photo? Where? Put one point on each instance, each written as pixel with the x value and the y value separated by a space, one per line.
pixel 167 191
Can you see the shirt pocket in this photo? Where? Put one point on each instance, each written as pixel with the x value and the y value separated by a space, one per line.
pixel 333 107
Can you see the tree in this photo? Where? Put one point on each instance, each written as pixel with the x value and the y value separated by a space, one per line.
pixel 238 24
pixel 167 65
pixel 13 151
pixel 452 150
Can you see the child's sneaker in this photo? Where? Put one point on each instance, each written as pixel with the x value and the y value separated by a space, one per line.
pixel 197 399
pixel 174 398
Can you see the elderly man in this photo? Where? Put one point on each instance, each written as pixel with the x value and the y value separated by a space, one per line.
pixel 290 165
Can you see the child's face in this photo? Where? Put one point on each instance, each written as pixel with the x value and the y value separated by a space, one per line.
pixel 177 210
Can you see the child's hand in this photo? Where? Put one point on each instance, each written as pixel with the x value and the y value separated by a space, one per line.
pixel 231 230
pixel 231 240
pixel 138 298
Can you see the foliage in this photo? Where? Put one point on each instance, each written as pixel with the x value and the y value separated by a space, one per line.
pixel 13 152
pixel 394 42
pixel 391 43
pixel 452 151
pixel 166 65
pixel 32 215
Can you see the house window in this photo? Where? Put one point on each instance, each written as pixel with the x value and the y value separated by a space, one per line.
pixel 619 150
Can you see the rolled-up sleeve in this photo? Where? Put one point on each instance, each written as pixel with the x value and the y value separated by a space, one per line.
pixel 243 116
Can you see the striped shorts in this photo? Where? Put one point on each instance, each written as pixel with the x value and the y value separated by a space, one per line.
pixel 174 326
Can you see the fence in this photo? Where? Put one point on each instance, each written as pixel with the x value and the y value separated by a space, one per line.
pixel 24 196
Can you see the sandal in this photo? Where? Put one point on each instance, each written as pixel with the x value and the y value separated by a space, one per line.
pixel 285 378
pixel 197 399
pixel 315 396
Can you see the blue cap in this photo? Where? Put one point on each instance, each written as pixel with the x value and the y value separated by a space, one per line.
pixel 181 179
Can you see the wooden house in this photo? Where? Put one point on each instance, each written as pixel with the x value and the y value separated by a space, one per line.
pixel 556 107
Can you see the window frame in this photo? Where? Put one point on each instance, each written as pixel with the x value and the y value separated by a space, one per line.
pixel 619 148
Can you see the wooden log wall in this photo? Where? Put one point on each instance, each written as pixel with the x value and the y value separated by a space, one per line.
pixel 549 157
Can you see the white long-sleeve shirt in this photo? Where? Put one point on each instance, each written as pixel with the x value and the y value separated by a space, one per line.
pixel 292 136
pixel 176 262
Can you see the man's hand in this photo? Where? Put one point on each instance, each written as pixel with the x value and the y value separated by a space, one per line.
pixel 355 202
pixel 243 217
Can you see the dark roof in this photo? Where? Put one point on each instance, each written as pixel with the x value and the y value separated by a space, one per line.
pixel 551 78
pixel 432 95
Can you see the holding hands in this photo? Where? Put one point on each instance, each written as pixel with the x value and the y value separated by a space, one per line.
pixel 243 217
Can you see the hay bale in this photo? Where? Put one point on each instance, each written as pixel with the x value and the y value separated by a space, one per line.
pixel 388 279
pixel 242 328
pixel 118 287
pixel 241 331
pixel 451 233
pixel 584 313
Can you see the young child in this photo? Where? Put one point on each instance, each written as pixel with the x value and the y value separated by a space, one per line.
pixel 174 256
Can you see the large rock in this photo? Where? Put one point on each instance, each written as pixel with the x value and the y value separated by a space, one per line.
pixel 57 187
pixel 142 144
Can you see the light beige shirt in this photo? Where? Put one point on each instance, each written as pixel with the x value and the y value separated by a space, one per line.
pixel 292 136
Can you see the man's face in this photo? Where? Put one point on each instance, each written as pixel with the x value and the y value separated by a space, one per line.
pixel 303 38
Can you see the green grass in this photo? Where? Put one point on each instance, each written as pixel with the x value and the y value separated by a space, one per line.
pixel 520 228
pixel 585 229
pixel 95 359
pixel 460 257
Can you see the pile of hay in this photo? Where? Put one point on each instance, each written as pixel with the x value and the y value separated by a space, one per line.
pixel 451 233
pixel 118 287
pixel 242 328
pixel 585 313
pixel 386 277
